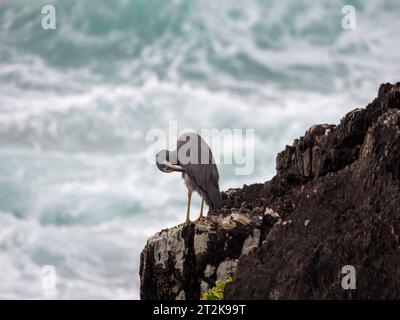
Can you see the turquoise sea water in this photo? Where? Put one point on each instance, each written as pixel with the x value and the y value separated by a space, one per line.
pixel 77 102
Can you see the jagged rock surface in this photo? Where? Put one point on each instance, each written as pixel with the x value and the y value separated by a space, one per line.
pixel 184 261
pixel 335 201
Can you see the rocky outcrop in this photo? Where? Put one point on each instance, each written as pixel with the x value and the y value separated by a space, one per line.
pixel 183 262
pixel 335 201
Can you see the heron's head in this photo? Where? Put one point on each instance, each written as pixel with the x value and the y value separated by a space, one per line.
pixel 166 162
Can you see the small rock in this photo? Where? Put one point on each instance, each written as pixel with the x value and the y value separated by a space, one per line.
pixel 203 287
pixel 209 271
pixel 269 211
pixel 226 269
pixel 241 218
pixel 251 242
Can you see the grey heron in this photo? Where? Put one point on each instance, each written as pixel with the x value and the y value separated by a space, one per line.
pixel 193 158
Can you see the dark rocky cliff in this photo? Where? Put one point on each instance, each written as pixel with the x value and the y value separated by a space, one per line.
pixel 335 201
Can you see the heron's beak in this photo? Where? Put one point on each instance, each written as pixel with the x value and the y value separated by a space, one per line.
pixel 169 167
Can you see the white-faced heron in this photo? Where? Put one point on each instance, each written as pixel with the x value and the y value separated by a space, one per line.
pixel 194 159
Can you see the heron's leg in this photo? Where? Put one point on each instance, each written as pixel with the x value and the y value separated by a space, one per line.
pixel 201 208
pixel 188 208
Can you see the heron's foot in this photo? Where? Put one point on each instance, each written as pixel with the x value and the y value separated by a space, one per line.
pixel 201 217
pixel 184 224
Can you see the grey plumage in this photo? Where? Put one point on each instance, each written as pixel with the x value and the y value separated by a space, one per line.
pixel 194 159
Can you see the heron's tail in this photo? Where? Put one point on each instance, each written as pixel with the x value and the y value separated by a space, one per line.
pixel 214 199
